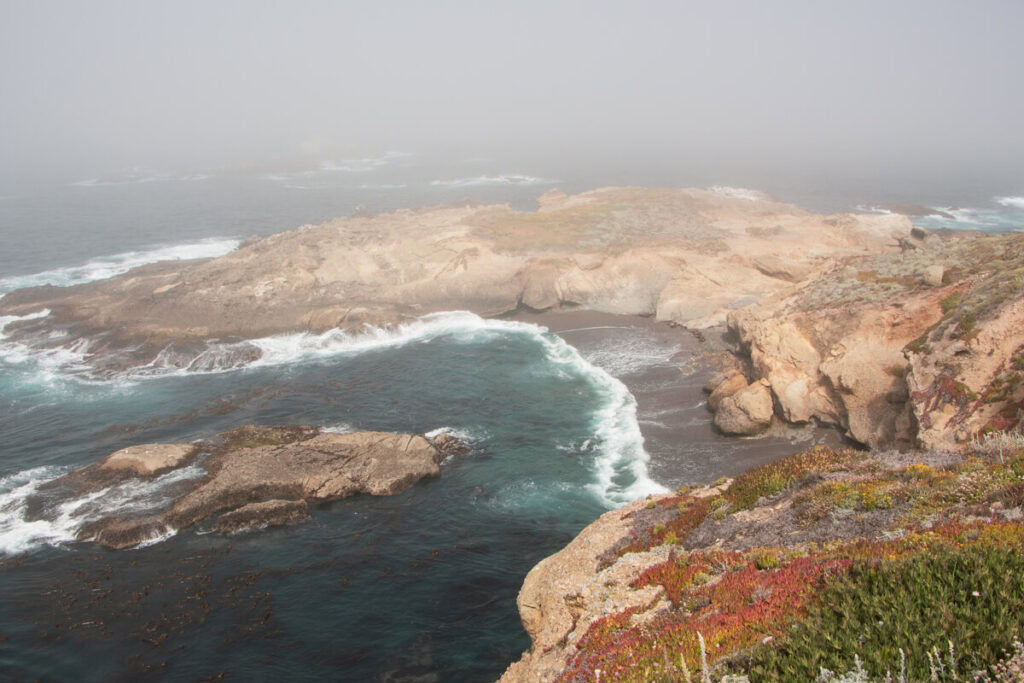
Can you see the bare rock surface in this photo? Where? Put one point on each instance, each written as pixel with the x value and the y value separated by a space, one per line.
pixel 567 592
pixel 894 360
pixel 250 477
pixel 680 254
pixel 323 467
pixel 733 382
pixel 147 460
pixel 747 411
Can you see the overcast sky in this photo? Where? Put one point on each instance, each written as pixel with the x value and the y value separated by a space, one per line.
pixel 90 86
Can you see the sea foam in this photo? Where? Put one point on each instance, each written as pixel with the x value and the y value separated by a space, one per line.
pixel 58 523
pixel 108 266
pixel 620 462
pixel 507 179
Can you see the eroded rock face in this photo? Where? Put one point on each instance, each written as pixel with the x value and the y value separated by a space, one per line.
pixel 894 360
pixel 255 477
pixel 747 411
pixel 567 592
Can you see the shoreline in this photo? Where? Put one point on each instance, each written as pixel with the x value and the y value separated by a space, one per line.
pixel 677 427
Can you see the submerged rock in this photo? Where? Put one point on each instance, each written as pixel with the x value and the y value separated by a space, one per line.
pixel 262 515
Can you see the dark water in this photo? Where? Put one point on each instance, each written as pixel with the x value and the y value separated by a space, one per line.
pixel 430 574
pixel 421 584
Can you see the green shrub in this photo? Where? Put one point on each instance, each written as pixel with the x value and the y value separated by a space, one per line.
pixel 973 597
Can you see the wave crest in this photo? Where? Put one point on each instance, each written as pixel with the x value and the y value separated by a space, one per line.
pixel 106 267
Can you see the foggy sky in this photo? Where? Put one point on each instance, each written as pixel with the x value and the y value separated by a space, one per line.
pixel 91 86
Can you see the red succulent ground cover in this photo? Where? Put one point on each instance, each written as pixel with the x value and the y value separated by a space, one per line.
pixel 754 595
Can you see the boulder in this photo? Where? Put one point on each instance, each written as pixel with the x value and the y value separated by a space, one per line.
pixel 748 411
pixel 726 388
pixel 151 459
pixel 933 276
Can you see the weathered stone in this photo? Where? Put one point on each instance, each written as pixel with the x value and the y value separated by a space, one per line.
pixel 933 276
pixel 325 467
pixel 716 379
pixel 150 459
pixel 773 266
pixel 262 515
pixel 726 388
pixel 748 411
pixel 449 445
pixel 259 476
pixel 123 533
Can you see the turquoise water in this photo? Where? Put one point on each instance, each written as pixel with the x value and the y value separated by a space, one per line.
pixel 423 580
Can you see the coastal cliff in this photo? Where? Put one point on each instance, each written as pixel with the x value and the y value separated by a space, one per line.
pixel 901 339
pixel 872 563
pixel 901 560
pixel 923 348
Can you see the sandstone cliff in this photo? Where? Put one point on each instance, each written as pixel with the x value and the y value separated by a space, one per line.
pixel 922 347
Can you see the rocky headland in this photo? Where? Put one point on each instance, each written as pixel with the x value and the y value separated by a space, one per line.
pixel 899 557
pixel 910 343
pixel 685 256
pixel 249 478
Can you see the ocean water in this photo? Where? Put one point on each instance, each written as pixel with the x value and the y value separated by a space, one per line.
pixel 563 426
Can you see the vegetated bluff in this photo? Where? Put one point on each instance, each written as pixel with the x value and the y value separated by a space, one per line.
pixel 910 561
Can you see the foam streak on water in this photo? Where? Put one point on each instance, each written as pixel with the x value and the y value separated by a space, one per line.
pixel 620 460
pixel 109 266
pixel 60 522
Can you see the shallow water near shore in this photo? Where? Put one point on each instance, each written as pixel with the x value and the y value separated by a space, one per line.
pixel 372 588
pixel 563 425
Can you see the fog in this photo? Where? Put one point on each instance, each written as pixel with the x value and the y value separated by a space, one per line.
pixel 870 87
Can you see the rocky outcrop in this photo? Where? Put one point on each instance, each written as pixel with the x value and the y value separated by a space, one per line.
pixel 149 460
pixel 255 477
pixel 567 592
pixel 323 467
pixel 747 411
pixel 702 578
pixel 894 353
pixel 686 256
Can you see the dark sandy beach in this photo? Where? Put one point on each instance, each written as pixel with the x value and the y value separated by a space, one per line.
pixel 676 424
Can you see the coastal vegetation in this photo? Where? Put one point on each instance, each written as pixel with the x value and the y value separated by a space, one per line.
pixel 926 583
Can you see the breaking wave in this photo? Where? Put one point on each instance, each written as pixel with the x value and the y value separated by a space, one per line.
pixel 620 463
pixel 508 179
pixel 109 266
pixel 59 522
pixel 1015 202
